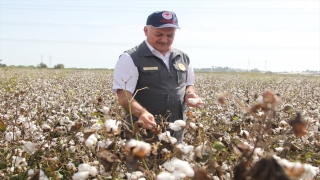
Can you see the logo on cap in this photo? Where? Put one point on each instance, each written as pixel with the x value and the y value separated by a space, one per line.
pixel 167 15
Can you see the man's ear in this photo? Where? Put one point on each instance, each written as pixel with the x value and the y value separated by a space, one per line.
pixel 145 30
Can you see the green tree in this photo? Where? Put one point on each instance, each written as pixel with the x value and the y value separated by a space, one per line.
pixel 59 66
pixel 42 65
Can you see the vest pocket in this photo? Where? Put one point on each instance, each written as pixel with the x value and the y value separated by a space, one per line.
pixel 149 75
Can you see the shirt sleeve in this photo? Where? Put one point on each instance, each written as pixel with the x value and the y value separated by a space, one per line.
pixel 125 74
pixel 190 76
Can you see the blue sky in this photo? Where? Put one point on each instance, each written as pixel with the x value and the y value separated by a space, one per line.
pixel 275 35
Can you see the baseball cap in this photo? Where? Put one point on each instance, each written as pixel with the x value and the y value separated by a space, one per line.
pixel 163 19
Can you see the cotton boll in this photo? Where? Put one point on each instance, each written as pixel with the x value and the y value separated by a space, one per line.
pixel 112 125
pixel 193 101
pixel 216 178
pixel 45 127
pixel 167 137
pixel 224 166
pixel 101 144
pixel 93 138
pixel 227 176
pixel 165 176
pixel 310 171
pixel 177 125
pixel 185 148
pixel 93 171
pixel 72 149
pixel 84 167
pixel 19 161
pixel 30 172
pixel 9 136
pixel 279 149
pixel 29 147
pixel 42 176
pixel 96 126
pixel 105 110
pixel 80 175
pixel 89 143
pixel 179 174
pixel 193 125
pixel 179 168
pixel 138 149
pixel 71 166
pixel 136 175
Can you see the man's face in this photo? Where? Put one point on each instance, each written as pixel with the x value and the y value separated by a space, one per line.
pixel 160 38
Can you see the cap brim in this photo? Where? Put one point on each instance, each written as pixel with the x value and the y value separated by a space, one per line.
pixel 168 25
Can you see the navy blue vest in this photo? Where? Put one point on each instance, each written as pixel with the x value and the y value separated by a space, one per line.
pixel 166 87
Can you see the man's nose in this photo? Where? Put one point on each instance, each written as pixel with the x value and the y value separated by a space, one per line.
pixel 164 39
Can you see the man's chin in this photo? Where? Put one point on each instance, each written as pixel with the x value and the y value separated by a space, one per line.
pixel 162 48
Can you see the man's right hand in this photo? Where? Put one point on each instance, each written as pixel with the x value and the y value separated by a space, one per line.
pixel 148 120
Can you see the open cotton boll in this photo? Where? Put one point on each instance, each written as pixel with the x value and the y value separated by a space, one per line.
pixel 93 138
pixel 310 171
pixel 30 172
pixel 80 175
pixel 29 147
pixel 193 125
pixel 193 101
pixel 105 110
pixel 179 174
pixel 179 168
pixel 9 136
pixel 177 125
pixel 83 167
pixel 89 143
pixel 71 166
pixel 138 149
pixel 93 171
pixel 135 175
pixel 165 176
pixel 279 149
pixel 112 125
pixel 19 161
pixel 167 137
pixel 185 148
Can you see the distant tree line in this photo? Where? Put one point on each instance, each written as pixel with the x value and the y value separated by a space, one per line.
pixel 41 66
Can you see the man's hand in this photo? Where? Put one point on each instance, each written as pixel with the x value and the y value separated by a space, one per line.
pixel 196 97
pixel 137 109
pixel 148 120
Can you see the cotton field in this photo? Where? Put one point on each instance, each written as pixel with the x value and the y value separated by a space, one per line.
pixel 67 124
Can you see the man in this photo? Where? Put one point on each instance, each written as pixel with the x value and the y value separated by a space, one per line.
pixel 165 71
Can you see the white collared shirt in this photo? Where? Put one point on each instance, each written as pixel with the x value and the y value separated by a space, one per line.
pixel 126 73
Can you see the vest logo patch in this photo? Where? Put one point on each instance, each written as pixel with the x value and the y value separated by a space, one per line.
pixel 150 68
pixel 182 67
